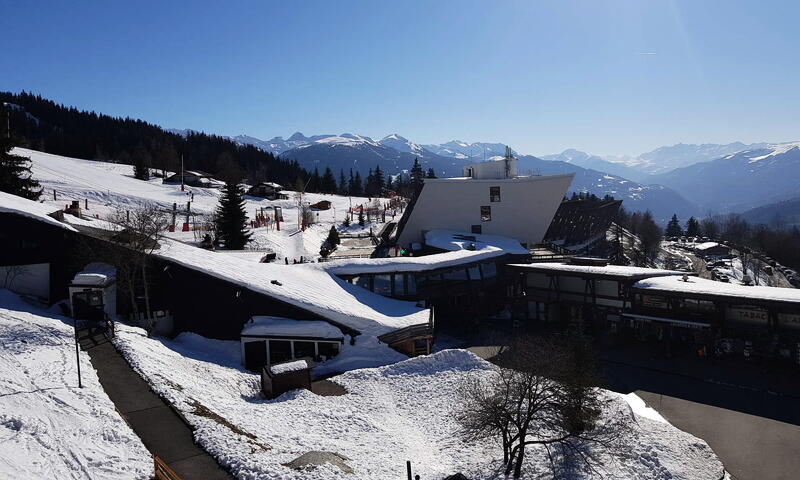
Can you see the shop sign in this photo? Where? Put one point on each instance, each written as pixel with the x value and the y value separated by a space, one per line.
pixel 790 320
pixel 746 315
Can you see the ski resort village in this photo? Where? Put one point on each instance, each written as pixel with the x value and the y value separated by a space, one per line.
pixel 443 334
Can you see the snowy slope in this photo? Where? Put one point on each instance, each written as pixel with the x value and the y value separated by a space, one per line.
pixel 740 181
pixel 50 428
pixel 391 414
pixel 108 186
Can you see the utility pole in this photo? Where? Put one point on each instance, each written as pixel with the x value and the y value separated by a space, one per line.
pixel 77 352
pixel 182 173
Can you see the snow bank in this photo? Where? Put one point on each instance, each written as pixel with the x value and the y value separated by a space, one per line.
pixel 711 287
pixel 391 414
pixel 50 428
pixel 28 208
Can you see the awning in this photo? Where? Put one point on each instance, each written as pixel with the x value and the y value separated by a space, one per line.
pixel 670 321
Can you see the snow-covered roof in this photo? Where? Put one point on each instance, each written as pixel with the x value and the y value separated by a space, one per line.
pixel 710 287
pixel 28 208
pixel 286 367
pixel 706 245
pixel 279 326
pixel 312 289
pixel 486 247
pixel 616 271
pixel 95 274
pixel 455 241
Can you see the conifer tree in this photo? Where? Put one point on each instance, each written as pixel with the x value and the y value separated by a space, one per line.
pixel 333 236
pixel 15 172
pixel 417 175
pixel 357 189
pixel 692 227
pixel 673 227
pixel 141 163
pixel 377 182
pixel 431 173
pixel 342 187
pixel 328 182
pixel 231 218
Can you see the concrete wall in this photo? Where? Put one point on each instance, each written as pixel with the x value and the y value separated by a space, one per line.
pixel 526 207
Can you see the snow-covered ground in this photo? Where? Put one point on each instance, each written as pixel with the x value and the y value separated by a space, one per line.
pixel 391 414
pixel 50 428
pixel 110 186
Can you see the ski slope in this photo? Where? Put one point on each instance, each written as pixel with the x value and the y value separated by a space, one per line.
pixel 109 187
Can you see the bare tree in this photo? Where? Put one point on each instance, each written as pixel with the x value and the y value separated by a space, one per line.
pixel 12 273
pixel 543 394
pixel 139 231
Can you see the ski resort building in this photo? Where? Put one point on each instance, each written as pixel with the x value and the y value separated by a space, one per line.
pixel 491 198
pixel 671 310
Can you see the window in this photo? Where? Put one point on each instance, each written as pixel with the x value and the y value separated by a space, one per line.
pixel 457 275
pixel 489 270
pixel 474 273
pixel 486 213
pixel 304 349
pixel 494 194
pixel 279 351
pixel 382 284
pixel 411 284
pixel 398 284
pixel 363 281
pixel 476 229
pixel 327 350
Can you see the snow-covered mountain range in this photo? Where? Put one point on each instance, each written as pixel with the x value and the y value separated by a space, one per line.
pixel 741 180
pixel 687 179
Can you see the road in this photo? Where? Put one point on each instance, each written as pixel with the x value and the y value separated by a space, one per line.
pixel 756 433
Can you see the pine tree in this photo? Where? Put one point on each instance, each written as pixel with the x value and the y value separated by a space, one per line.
pixel 417 175
pixel 377 182
pixel 357 189
pixel 431 173
pixel 328 182
pixel 673 227
pixel 231 218
pixel 15 173
pixel 141 163
pixel 361 217
pixel 342 187
pixel 333 236
pixel 692 227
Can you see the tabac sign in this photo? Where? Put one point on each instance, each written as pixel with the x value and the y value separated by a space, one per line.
pixel 754 316
pixel 789 320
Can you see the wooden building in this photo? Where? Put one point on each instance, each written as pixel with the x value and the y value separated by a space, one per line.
pixel 269 340
pixel 195 178
pixel 268 190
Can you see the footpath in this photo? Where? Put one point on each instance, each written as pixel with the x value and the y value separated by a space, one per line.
pixel 162 431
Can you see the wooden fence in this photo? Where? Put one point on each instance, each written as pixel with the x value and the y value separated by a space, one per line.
pixel 163 472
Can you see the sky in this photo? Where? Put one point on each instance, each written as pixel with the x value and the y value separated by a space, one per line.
pixel 606 77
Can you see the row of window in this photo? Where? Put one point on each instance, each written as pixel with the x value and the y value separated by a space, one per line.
pixel 407 284
pixel 282 350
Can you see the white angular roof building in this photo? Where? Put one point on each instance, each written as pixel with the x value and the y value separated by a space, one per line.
pixel 491 198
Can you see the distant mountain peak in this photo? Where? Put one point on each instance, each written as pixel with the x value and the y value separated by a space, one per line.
pixel 296 137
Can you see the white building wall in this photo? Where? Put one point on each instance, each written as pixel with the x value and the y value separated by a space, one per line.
pixel 33 279
pixel 526 207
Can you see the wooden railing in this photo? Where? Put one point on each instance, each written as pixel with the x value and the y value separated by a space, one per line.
pixel 163 472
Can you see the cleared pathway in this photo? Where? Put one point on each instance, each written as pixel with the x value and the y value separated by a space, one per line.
pixel 162 431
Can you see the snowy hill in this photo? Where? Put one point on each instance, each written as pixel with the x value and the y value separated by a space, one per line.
pixel 477 151
pixel 109 186
pixel 741 180
pixel 660 200
pixel 595 162
pixel 785 214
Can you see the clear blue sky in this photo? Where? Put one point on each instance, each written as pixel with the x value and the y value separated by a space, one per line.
pixel 540 76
